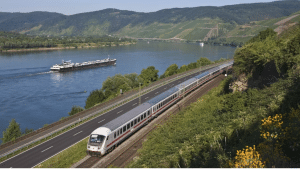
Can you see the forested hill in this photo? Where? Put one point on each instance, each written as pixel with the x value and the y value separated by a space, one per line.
pixel 158 24
pixel 20 21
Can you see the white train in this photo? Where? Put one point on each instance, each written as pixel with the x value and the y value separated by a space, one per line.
pixel 105 138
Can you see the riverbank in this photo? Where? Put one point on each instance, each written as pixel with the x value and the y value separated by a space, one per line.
pixel 73 46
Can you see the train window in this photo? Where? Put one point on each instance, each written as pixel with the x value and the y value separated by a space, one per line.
pixel 121 131
pixel 135 121
pixel 118 133
pixel 128 126
pixel 138 119
pixel 141 117
pixel 144 115
pixel 149 113
pixel 107 137
pixel 124 128
pixel 115 135
pixel 131 123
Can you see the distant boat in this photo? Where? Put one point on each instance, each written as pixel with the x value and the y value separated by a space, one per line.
pixel 148 42
pixel 201 44
pixel 69 66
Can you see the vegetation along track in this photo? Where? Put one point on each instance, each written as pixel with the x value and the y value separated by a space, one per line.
pixel 127 151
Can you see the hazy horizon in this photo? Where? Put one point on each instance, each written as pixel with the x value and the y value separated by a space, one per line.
pixel 69 7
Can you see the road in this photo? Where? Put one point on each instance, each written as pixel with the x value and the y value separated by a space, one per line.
pixel 37 154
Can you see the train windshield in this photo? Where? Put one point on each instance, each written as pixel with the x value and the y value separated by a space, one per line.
pixel 98 139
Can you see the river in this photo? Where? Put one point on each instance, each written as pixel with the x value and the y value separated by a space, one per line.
pixel 34 96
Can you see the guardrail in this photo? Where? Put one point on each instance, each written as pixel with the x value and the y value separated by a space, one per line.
pixel 115 105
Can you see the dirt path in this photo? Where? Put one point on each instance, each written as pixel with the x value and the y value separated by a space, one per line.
pixel 283 21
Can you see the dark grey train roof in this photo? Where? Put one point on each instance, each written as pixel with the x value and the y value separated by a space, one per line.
pixel 167 93
pixel 185 83
pixel 123 119
pixel 201 75
pixel 162 96
pixel 226 64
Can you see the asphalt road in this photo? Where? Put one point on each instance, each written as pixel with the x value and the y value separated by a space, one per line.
pixel 37 154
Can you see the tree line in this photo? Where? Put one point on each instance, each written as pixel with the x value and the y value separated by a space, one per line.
pixel 13 40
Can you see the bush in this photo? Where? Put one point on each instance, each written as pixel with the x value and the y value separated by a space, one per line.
pixel 12 132
pixel 171 70
pixel 75 110
pixel 96 96
pixel 149 75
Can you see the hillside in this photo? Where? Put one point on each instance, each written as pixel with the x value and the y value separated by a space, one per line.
pixel 254 126
pixel 198 23
pixel 242 33
pixel 23 21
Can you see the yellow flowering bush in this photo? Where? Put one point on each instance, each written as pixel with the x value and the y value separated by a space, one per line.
pixel 271 149
pixel 271 127
pixel 248 158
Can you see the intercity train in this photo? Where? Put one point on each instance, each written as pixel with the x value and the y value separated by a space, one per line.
pixel 107 137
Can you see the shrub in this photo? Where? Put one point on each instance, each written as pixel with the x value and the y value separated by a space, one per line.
pixel 75 110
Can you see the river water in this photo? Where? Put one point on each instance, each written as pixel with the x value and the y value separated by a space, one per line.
pixel 33 95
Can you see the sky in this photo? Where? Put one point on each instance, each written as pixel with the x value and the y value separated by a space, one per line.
pixel 70 7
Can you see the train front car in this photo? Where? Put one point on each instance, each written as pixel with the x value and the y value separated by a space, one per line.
pixel 97 141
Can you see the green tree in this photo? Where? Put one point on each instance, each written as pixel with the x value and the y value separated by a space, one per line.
pixel 171 70
pixel 183 68
pixel 192 65
pixel 12 132
pixel 114 84
pixel 135 79
pixel 263 35
pixel 291 53
pixel 96 96
pixel 75 110
pixel 149 75
pixel 203 62
pixel 253 56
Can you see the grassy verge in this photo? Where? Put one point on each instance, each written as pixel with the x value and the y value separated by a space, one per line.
pixel 66 158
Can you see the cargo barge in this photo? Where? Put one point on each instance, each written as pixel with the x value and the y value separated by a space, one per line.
pixel 69 66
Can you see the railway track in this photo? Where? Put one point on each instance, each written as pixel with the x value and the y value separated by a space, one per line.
pixel 127 151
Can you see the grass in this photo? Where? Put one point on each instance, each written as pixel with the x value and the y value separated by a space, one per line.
pixel 66 158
